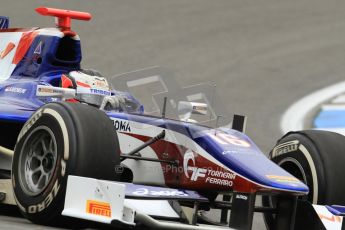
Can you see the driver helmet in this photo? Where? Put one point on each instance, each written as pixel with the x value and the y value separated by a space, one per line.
pixel 91 87
pixel 87 78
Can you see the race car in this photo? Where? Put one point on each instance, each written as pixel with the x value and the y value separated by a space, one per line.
pixel 74 146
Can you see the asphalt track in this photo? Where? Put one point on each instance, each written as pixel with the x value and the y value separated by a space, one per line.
pixel 263 55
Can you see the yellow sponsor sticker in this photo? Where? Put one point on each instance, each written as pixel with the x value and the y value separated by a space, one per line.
pixel 282 178
pixel 98 208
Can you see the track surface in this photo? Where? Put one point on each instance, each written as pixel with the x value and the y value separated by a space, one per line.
pixel 263 55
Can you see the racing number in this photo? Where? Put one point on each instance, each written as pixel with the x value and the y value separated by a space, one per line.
pixel 225 139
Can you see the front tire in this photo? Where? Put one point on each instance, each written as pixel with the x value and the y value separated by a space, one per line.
pixel 58 140
pixel 315 157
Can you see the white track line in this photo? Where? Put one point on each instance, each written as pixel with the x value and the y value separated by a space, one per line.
pixel 339 100
pixel 294 118
pixel 333 107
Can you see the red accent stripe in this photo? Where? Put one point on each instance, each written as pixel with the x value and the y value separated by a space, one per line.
pixel 72 100
pixel 83 84
pixel 175 177
pixel 24 45
pixel 331 219
pixel 18 29
pixel 10 46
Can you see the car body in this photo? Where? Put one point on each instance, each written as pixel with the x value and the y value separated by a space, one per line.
pixel 189 162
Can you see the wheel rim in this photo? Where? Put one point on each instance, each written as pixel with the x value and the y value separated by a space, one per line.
pixel 37 160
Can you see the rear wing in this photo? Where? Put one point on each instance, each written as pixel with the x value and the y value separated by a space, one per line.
pixel 4 22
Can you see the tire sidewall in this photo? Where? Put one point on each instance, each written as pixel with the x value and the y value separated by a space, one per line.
pixel 300 149
pixel 52 197
pixel 297 147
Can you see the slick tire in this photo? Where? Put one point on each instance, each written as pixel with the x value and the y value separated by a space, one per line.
pixel 58 140
pixel 317 158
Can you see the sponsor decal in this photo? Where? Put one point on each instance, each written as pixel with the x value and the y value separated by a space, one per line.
pixel 147 192
pixel 211 176
pixel 100 82
pixel 122 126
pixel 200 109
pixel 154 192
pixel 241 197
pixel 229 152
pixel 285 148
pixel 328 219
pixel 287 179
pixel 224 175
pixel 212 180
pixel 48 90
pixel 197 172
pixel 333 218
pixel 119 169
pixel 98 208
pixel 46 202
pixel 38 49
pixel 100 91
pixel 15 90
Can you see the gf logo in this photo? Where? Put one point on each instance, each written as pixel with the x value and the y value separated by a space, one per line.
pixel 196 172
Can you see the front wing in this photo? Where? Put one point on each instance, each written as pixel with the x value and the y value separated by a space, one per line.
pixel 124 204
pixel 127 205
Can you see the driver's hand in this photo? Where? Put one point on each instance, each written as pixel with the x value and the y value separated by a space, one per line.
pixel 114 102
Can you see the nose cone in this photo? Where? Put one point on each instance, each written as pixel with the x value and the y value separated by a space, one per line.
pixel 255 166
pixel 236 151
pixel 282 180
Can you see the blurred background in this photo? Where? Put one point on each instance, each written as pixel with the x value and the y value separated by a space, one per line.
pixel 263 55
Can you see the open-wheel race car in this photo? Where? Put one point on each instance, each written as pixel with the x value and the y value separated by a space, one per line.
pixel 73 146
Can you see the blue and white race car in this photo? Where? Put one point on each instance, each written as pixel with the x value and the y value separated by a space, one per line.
pixel 73 146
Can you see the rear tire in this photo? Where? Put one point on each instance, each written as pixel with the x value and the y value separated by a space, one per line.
pixel 58 140
pixel 317 158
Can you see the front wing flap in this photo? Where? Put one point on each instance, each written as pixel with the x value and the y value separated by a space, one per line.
pixel 119 204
